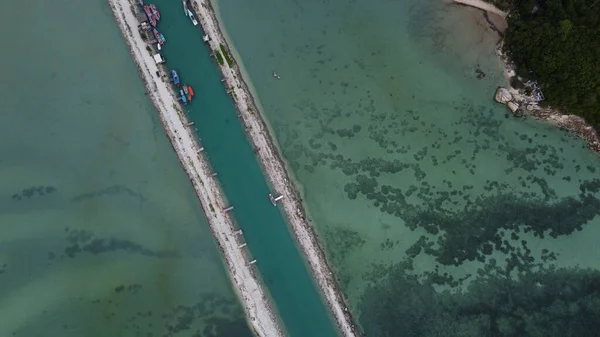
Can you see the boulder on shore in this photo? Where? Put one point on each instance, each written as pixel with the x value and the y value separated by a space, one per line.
pixel 503 96
pixel 513 106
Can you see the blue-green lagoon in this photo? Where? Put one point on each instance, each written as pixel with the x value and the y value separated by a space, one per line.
pixel 441 215
pixel 101 233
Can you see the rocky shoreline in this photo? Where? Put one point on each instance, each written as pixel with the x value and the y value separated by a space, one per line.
pixel 274 168
pixel 520 103
pixel 517 100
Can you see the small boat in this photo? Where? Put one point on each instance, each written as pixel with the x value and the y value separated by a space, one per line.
pixel 272 199
pixel 155 12
pixel 183 98
pixel 191 91
pixel 186 91
pixel 185 9
pixel 191 15
pixel 158 35
pixel 276 76
pixel 163 38
pixel 151 17
pixel 175 77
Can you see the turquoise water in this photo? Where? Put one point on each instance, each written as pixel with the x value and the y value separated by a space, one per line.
pixel 441 214
pixel 278 260
pixel 101 233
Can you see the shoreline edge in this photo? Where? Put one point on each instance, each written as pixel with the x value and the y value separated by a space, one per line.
pixel 563 120
pixel 274 169
pixel 259 313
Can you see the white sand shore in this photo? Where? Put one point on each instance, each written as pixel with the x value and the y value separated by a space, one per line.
pixel 274 168
pixel 483 5
pixel 259 312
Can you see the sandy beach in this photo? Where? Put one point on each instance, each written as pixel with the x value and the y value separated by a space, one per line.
pixel 259 312
pixel 483 6
pixel 274 168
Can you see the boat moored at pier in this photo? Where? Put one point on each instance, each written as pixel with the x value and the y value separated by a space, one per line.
pixel 175 77
pixel 191 16
pixel 182 95
pixel 160 39
pixel 186 92
pixel 189 93
pixel 150 16
pixel 155 12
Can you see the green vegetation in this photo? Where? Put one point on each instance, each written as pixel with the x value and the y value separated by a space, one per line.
pixel 557 43
pixel 227 57
pixel 219 57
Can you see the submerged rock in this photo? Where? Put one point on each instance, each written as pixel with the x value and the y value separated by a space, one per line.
pixel 480 73
pixel 503 96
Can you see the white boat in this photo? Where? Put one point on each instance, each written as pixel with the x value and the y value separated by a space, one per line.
pixel 191 15
pixel 185 9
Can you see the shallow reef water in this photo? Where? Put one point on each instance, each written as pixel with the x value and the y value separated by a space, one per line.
pixel 441 214
pixel 101 233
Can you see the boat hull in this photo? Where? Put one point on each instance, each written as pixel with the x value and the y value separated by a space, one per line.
pixel 175 77
pixel 150 16
pixel 155 12
pixel 158 36
pixel 183 98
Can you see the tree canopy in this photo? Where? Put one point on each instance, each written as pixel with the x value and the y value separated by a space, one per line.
pixel 557 43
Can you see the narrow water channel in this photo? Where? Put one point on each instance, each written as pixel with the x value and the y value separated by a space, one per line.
pixel 279 261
